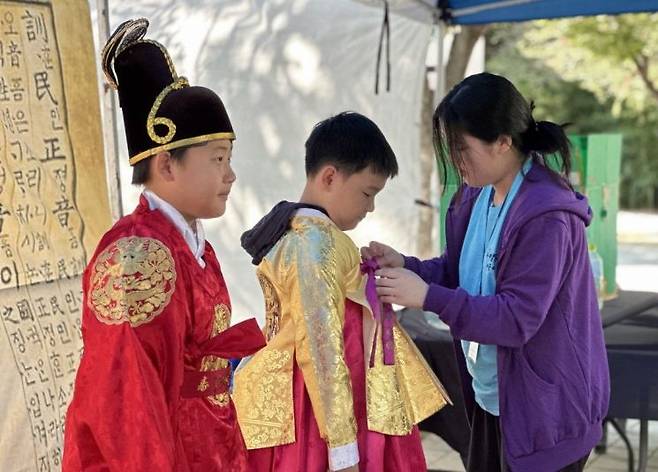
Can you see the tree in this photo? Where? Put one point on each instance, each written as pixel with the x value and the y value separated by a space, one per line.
pixel 460 53
pixel 597 74
pixel 609 55
pixel 628 40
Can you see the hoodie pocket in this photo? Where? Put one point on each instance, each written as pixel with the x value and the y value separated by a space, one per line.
pixel 531 410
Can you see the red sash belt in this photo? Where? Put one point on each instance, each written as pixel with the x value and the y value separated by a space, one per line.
pixel 197 383
pixel 240 340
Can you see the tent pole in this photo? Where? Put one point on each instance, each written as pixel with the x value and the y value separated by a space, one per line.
pixel 110 132
pixel 439 92
pixel 439 86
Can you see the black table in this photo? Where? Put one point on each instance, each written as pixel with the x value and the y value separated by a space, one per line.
pixel 627 304
pixel 632 347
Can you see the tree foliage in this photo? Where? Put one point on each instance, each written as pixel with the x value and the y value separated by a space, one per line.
pixel 597 73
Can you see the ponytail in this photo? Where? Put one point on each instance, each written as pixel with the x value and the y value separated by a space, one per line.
pixel 550 142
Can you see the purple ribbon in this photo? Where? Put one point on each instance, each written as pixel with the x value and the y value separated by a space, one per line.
pixel 383 313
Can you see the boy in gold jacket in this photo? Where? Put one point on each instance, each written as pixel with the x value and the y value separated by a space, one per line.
pixel 339 385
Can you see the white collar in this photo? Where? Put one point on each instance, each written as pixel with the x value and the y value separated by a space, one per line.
pixel 196 240
pixel 311 212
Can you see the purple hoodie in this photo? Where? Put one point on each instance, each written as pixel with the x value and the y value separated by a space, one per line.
pixel 553 376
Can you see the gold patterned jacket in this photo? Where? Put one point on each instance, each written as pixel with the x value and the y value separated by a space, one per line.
pixel 306 278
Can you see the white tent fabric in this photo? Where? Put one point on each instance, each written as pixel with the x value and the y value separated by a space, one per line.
pixel 281 66
pixel 420 10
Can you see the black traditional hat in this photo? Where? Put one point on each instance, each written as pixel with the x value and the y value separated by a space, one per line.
pixel 161 111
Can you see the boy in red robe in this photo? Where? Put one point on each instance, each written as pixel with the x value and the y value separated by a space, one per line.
pixel 151 392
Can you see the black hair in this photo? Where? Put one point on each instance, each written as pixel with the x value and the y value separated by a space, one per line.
pixel 350 142
pixel 487 106
pixel 141 170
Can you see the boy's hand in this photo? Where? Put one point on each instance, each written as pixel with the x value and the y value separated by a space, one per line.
pixel 385 255
pixel 401 287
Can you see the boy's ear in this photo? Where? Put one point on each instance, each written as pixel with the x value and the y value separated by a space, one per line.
pixel 327 176
pixel 162 166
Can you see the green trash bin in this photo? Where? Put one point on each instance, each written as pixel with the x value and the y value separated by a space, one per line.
pixel 595 173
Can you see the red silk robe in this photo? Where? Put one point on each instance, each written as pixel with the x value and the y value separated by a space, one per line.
pixel 151 389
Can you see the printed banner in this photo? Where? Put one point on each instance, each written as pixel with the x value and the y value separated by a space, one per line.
pixel 53 210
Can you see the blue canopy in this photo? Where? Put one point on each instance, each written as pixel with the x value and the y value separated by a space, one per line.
pixel 464 12
pixel 493 11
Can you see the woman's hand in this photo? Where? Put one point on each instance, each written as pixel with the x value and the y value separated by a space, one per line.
pixel 385 255
pixel 401 287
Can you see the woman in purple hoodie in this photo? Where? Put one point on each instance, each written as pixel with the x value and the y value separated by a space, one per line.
pixel 514 284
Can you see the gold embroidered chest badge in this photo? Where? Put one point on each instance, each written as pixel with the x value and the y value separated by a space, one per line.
pixel 221 321
pixel 132 280
pixel 203 385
